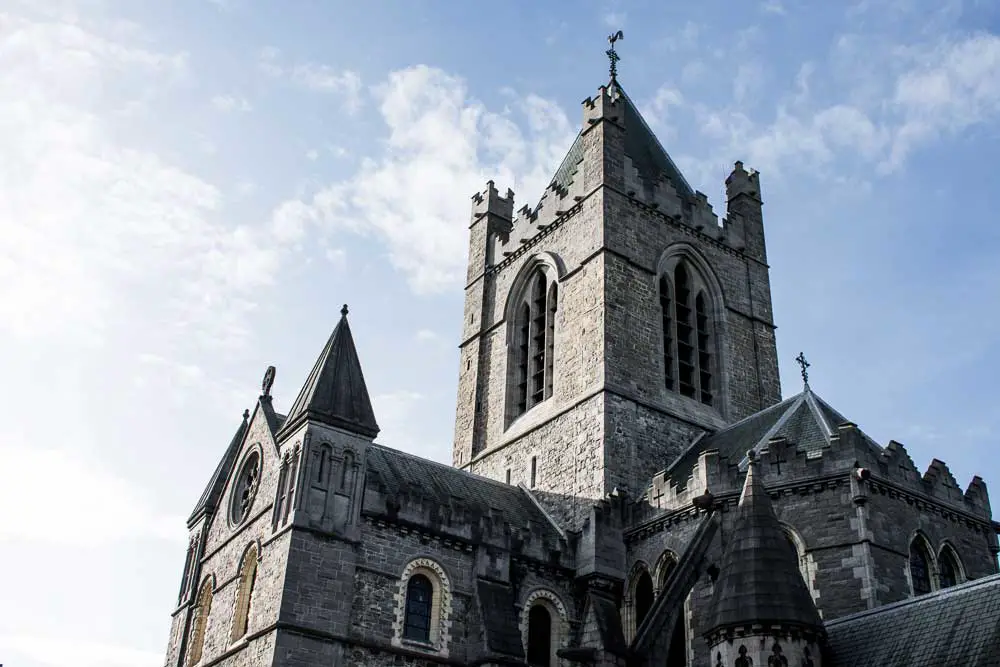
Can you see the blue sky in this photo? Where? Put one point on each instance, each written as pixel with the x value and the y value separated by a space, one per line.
pixel 189 191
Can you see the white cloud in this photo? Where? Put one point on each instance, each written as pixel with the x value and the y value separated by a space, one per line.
pixel 312 154
pixel 954 86
pixel 96 229
pixel 772 7
pixel 61 652
pixel 427 336
pixel 227 103
pixel 440 148
pixel 119 509
pixel 615 20
pixel 316 77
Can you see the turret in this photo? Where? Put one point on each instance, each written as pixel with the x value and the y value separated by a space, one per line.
pixel 492 219
pixel 761 608
pixel 745 210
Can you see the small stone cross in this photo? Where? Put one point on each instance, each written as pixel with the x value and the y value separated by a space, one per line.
pixel 657 495
pixel 803 364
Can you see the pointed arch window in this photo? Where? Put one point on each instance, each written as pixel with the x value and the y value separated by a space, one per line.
pixel 534 334
pixel 920 567
pixel 688 333
pixel 950 570
pixel 244 594
pixel 202 609
pixel 643 598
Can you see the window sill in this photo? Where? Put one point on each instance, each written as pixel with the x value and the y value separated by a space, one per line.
pixel 419 645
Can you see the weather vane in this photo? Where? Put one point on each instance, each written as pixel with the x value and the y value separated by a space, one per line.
pixel 803 364
pixel 613 55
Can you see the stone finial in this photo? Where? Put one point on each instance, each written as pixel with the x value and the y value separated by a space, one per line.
pixel 268 381
pixel 246 415
pixel 343 311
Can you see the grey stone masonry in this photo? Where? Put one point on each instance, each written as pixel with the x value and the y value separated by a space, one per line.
pixel 605 228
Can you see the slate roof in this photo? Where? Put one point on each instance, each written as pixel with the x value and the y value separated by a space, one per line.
pixel 647 153
pixel 210 496
pixel 335 391
pixel 759 581
pixel 955 627
pixel 395 472
pixel 806 420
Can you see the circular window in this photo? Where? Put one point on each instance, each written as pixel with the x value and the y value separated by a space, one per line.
pixel 246 488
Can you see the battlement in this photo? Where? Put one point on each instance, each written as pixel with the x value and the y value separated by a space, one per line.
pixel 784 462
pixel 489 201
pixel 603 106
pixel 742 182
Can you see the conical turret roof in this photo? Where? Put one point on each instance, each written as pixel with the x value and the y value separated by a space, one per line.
pixel 760 582
pixel 335 393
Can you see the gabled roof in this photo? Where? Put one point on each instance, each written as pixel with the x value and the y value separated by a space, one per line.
pixel 210 496
pixel 759 581
pixel 647 153
pixel 956 626
pixel 335 391
pixel 806 420
pixel 395 472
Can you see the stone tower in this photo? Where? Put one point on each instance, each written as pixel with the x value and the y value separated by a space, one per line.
pixel 270 567
pixel 612 323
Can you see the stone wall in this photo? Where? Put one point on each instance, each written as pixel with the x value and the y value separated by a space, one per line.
pixel 222 554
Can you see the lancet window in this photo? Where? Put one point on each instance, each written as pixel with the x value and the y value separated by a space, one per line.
pixel 688 334
pixel 534 337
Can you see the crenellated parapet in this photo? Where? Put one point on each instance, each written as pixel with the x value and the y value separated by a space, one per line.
pixel 787 464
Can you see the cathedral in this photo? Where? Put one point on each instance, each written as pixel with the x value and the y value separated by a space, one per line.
pixel 628 486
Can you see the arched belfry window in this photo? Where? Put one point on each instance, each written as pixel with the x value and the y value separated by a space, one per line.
pixel 921 567
pixel 688 333
pixel 534 333
pixel 949 567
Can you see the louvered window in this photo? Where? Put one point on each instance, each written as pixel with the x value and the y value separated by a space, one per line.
pixel 534 346
pixel 688 337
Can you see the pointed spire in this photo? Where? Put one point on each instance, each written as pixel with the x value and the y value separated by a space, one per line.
pixel 335 391
pixel 760 582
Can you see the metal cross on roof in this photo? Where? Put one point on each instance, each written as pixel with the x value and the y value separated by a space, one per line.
pixel 613 55
pixel 803 364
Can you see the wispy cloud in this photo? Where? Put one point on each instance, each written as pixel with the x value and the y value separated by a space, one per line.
pixel 316 77
pixel 227 103
pixel 440 142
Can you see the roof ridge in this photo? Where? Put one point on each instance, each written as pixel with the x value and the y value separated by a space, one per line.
pixel 445 466
pixel 811 402
pixel 964 587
